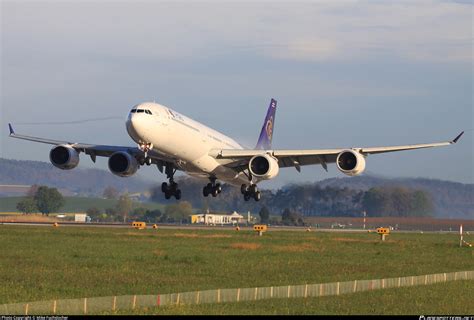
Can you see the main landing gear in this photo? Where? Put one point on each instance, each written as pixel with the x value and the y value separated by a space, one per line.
pixel 171 189
pixel 250 192
pixel 212 188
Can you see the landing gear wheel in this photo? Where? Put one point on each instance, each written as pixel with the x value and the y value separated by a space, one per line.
pixel 212 188
pixel 148 161
pixel 253 189
pixel 257 196
pixel 205 191
pixel 170 189
pixel 251 192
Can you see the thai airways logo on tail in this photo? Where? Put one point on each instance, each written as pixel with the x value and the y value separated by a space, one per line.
pixel 266 135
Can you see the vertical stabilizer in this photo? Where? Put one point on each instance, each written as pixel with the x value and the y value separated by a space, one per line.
pixel 266 135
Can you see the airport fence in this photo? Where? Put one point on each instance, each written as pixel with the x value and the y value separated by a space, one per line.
pixel 98 305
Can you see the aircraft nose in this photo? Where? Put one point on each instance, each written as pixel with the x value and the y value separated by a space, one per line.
pixel 132 125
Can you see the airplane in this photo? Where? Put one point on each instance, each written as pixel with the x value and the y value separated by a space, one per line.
pixel 173 142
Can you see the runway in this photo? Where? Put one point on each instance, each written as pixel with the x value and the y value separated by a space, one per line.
pixel 210 228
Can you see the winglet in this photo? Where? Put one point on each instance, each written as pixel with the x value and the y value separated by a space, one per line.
pixel 457 138
pixel 12 132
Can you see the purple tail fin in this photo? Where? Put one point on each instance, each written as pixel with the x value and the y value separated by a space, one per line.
pixel 265 139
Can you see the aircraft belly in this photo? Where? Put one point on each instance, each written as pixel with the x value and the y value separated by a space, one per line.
pixel 191 153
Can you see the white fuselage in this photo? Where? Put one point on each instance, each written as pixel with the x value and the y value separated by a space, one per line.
pixel 183 139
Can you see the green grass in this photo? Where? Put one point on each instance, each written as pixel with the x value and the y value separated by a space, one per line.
pixel 442 299
pixel 75 204
pixel 43 263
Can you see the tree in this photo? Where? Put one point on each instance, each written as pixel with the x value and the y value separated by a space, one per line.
pixel 48 200
pixel 110 214
pixel 291 218
pixel 264 214
pixel 32 191
pixel 27 206
pixel 397 202
pixel 110 193
pixel 111 211
pixel 422 204
pixel 124 206
pixel 94 213
pixel 138 213
pixel 152 215
pixel 179 212
pixel 377 202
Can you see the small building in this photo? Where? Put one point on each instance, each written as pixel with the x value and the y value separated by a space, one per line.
pixel 218 219
pixel 82 217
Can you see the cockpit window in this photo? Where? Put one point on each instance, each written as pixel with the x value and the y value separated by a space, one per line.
pixel 141 111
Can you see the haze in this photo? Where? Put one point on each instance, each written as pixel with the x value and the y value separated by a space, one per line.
pixel 345 74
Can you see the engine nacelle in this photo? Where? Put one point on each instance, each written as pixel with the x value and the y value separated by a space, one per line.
pixel 264 167
pixel 123 164
pixel 351 162
pixel 64 157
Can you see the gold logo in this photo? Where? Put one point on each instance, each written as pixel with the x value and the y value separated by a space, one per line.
pixel 269 128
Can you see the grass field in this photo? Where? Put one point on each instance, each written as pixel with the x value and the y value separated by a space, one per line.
pixel 43 263
pixel 402 223
pixel 441 299
pixel 75 204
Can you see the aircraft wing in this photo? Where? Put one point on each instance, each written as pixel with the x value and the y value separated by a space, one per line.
pixel 296 158
pixel 93 150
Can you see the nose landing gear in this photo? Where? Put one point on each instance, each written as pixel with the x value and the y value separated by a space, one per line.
pixel 146 147
pixel 250 192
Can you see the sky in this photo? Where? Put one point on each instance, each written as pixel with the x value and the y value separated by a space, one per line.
pixel 345 74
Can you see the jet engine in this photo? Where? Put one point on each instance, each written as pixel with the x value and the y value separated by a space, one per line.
pixel 64 157
pixel 351 162
pixel 264 167
pixel 123 164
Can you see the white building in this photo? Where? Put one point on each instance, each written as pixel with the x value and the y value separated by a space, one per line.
pixel 82 217
pixel 218 219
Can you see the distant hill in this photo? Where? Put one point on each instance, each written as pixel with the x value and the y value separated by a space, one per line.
pixel 80 181
pixel 451 199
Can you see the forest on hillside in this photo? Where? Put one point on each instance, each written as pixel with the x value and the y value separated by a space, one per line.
pixel 336 196
pixel 433 198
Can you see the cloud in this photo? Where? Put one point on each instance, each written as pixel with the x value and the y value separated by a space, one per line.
pixel 316 31
pixel 305 49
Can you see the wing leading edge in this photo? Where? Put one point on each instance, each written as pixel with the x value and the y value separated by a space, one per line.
pixel 90 149
pixel 292 158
